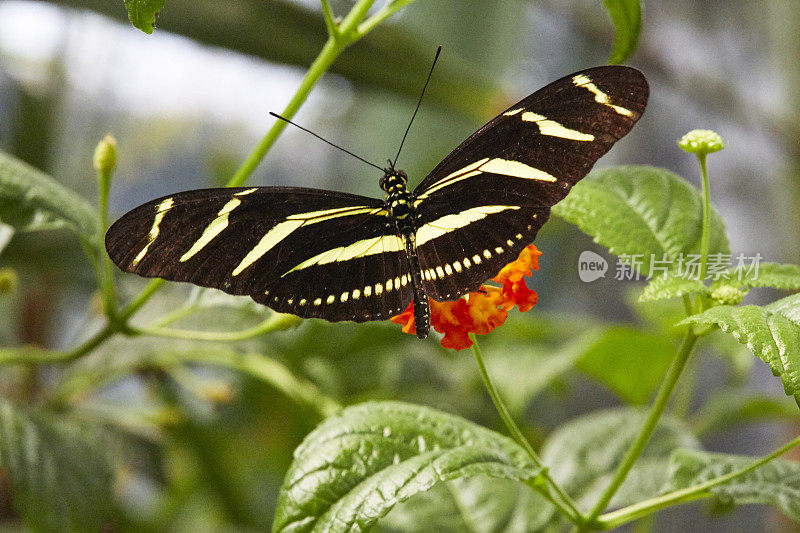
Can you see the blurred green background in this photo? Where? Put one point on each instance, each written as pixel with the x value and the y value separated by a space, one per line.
pixel 205 448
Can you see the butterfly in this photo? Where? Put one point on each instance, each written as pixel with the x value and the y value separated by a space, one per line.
pixel 337 256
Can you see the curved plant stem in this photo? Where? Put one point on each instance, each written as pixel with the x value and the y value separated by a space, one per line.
pixel 563 501
pixel 659 405
pixel 275 322
pixel 702 490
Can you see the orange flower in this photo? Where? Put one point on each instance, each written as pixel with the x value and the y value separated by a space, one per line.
pixel 480 312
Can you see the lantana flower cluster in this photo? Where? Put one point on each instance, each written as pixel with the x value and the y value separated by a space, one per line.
pixel 481 311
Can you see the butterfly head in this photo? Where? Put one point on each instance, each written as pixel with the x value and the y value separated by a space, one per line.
pixel 393 181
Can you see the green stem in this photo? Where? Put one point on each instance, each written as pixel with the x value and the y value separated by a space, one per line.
pixel 388 10
pixel 174 316
pixel 659 405
pixel 682 403
pixel 330 22
pixel 564 502
pixel 106 268
pixel 702 490
pixel 141 299
pixel 276 322
pixel 706 234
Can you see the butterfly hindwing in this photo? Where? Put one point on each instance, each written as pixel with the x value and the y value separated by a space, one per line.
pixel 490 196
pixel 309 252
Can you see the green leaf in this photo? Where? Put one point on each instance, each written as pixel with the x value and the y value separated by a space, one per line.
pixel 627 18
pixel 583 454
pixel 471 504
pixel 771 332
pixel 642 213
pixel 622 352
pixel 358 464
pixel 30 200
pixel 776 275
pixel 60 481
pixel 776 483
pixel 727 408
pixel 142 13
pixel 671 286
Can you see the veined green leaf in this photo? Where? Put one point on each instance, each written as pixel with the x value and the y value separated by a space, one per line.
pixel 776 483
pixel 60 481
pixel 771 332
pixel 359 463
pixel 142 13
pixel 471 504
pixel 627 18
pixel 775 275
pixel 642 214
pixel 671 286
pixel 30 200
pixel 583 454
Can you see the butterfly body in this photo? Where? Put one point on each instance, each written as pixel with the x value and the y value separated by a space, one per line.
pixel 337 256
pixel 400 204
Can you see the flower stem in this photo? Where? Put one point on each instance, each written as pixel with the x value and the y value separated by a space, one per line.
pixel 705 237
pixel 564 502
pixel 659 405
pixel 702 490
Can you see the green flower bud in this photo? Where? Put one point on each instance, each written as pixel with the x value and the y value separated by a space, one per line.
pixel 727 295
pixel 105 155
pixel 701 142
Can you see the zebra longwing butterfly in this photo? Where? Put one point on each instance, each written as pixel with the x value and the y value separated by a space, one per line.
pixel 337 256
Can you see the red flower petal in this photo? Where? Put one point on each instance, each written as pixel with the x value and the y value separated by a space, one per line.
pixel 480 312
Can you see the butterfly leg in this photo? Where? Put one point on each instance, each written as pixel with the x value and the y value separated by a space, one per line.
pixel 422 313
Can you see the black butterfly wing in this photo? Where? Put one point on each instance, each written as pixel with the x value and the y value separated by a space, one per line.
pixel 309 252
pixel 489 197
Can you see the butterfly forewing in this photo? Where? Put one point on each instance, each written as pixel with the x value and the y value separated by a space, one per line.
pixel 490 196
pixel 309 252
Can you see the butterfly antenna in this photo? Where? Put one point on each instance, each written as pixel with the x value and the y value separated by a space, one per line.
pixel 438 51
pixel 327 141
